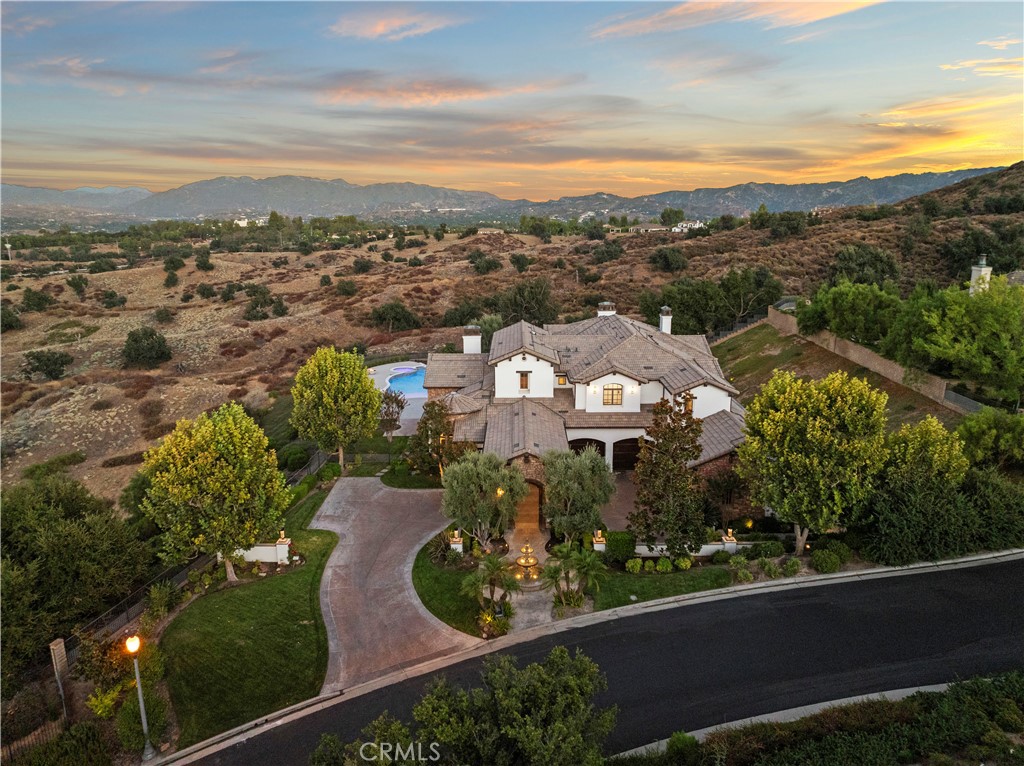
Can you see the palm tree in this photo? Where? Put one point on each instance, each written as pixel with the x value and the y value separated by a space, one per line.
pixel 551 577
pixel 561 556
pixel 589 569
pixel 496 573
pixel 473 586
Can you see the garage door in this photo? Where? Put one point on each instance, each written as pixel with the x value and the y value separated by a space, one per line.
pixel 624 454
pixel 578 445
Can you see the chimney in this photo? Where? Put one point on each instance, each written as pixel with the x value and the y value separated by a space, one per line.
pixel 471 339
pixel 605 309
pixel 980 275
pixel 665 324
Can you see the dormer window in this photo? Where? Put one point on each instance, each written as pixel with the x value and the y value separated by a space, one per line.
pixel 612 394
pixel 524 381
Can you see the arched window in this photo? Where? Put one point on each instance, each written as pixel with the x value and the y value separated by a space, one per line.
pixel 612 393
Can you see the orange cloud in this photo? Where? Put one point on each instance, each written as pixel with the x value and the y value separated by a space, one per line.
pixel 374 88
pixel 1001 43
pixel 695 14
pixel 391 24
pixel 990 67
pixel 939 108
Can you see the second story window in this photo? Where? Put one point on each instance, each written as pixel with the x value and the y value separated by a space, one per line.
pixel 612 394
pixel 562 380
pixel 524 381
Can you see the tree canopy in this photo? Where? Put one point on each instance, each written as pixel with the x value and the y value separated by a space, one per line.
pixel 576 486
pixel 669 501
pixel 433 447
pixel 813 449
pixel 214 486
pixel 481 493
pixel 335 401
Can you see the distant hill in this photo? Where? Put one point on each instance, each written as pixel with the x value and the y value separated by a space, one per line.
pixel 418 203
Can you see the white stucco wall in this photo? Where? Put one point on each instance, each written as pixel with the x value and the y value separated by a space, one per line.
pixel 707 400
pixel 653 392
pixel 506 377
pixel 630 394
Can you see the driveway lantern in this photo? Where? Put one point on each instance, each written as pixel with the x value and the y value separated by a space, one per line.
pixel 132 644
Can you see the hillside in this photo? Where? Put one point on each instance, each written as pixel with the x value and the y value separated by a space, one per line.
pixel 31 208
pixel 109 412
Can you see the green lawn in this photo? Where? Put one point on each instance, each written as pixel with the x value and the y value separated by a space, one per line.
pixel 619 586
pixel 247 651
pixel 400 478
pixel 378 445
pixel 275 423
pixel 367 468
pixel 438 589
pixel 750 358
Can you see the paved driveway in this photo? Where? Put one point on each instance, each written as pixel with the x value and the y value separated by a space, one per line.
pixel 375 622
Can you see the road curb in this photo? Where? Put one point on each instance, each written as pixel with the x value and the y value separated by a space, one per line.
pixel 791 714
pixel 316 704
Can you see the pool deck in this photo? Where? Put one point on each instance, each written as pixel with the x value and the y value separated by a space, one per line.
pixel 413 405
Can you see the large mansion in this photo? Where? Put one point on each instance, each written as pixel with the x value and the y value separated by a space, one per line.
pixel 592 382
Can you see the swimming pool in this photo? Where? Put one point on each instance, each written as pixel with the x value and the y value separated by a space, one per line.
pixel 409 381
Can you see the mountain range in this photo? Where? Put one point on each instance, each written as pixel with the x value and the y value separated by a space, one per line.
pixel 226 197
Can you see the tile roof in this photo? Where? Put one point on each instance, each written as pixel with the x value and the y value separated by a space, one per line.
pixel 722 433
pixel 460 404
pixel 519 337
pixel 454 370
pixel 526 426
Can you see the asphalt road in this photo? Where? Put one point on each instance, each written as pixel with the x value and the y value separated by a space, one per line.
pixel 705 664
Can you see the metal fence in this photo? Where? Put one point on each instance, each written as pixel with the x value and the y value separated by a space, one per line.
pixel 957 400
pixel 13 752
pixel 315 463
pixel 738 327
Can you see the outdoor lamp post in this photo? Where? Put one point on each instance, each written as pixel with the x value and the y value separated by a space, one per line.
pixel 132 644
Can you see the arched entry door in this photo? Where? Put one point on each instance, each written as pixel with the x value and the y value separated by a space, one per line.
pixel 624 454
pixel 578 445
pixel 528 511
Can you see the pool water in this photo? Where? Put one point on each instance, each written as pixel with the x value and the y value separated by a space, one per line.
pixel 409 383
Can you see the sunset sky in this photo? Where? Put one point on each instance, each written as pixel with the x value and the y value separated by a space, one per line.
pixel 534 100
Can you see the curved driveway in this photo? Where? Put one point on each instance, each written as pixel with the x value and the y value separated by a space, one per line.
pixel 375 621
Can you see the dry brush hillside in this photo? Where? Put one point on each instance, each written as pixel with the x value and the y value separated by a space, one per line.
pixel 107 411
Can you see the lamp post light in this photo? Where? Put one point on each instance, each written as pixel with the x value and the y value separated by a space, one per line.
pixel 132 644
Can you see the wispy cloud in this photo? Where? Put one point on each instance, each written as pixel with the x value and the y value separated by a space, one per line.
pixel 1002 42
pixel 226 60
pixel 391 23
pixel 703 65
pixel 23 25
pixel 998 67
pixel 697 14
pixel 376 87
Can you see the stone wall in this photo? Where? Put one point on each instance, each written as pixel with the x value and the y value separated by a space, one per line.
pixel 924 383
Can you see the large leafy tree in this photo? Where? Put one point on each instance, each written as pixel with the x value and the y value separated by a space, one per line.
pixel 863 264
pixel 813 449
pixel 540 715
pixel 336 402
pixel 67 556
pixel 481 493
pixel 861 312
pixel 669 498
pixel 576 486
pixel 433 447
pixel 993 437
pixel 749 290
pixel 982 336
pixel 214 486
pixel 391 409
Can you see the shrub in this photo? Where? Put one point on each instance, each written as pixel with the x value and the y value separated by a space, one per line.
pixel 35 300
pixel 738 561
pixel 484 265
pixel 621 547
pixel 171 280
pixel 839 548
pixel 162 597
pixel 203 260
pixel 277 308
pixel 129 720
pixel 49 363
pixel 205 290
pixel 791 568
pixel 415 261
pixel 825 561
pixel 664 565
pixel 682 749
pixel 744 575
pixel 293 457
pixel 394 316
pixel 103 702
pixel 362 265
pixel 346 287
pixel 649 565
pixel 82 743
pixel 325 280
pixel 186 297
pixel 254 312
pixel 520 261
pixel 54 466
pixel 668 259
pixel 684 563
pixel 770 568
pixel 9 319
pixel 163 315
pixel 111 300
pixel 721 557
pixel 633 566
pixel 771 549
pixel 145 347
pixel 100 265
